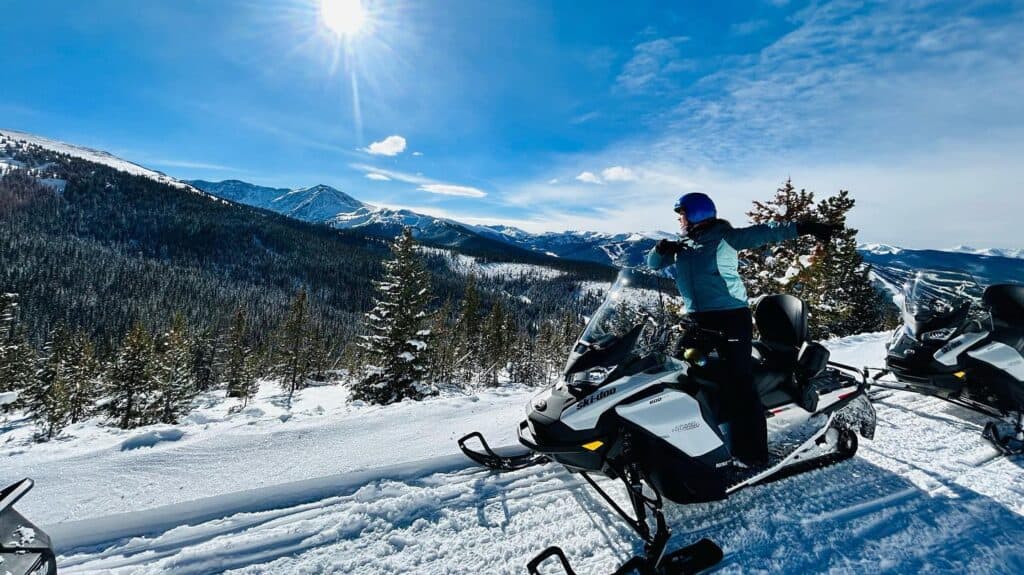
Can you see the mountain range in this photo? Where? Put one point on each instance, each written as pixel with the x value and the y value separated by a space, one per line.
pixel 323 204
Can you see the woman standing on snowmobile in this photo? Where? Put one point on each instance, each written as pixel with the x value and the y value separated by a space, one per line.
pixel 714 295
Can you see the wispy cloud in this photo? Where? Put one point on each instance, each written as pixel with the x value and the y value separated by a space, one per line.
pixel 653 63
pixel 422 182
pixel 192 165
pixel 390 146
pixel 453 190
pixel 377 176
pixel 406 177
pixel 749 27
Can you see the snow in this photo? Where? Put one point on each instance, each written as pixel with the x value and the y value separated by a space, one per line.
pixel 465 265
pixel 152 438
pixel 995 252
pixel 7 397
pixel 98 157
pixel 245 493
pixel 881 249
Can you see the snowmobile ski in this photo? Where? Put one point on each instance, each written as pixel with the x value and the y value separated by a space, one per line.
pixel 488 458
pixel 688 560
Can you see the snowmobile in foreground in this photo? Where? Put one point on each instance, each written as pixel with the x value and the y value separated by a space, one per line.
pixel 627 408
pixel 24 548
pixel 963 345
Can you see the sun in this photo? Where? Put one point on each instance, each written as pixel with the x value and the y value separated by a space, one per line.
pixel 343 17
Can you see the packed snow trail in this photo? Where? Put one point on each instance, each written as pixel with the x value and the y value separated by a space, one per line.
pixel 927 495
pixel 103 471
pixel 853 517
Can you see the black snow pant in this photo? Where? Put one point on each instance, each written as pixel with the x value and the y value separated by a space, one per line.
pixel 739 398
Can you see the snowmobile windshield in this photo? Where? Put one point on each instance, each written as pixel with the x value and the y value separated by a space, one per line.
pixel 935 299
pixel 618 325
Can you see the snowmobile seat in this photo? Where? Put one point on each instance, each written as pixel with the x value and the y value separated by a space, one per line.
pixel 1006 302
pixel 781 321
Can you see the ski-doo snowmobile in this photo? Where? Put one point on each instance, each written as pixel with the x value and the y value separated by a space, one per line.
pixel 963 345
pixel 635 407
pixel 24 548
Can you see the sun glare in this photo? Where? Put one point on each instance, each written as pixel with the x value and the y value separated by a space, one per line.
pixel 343 17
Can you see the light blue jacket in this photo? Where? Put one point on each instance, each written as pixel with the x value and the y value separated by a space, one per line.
pixel 706 271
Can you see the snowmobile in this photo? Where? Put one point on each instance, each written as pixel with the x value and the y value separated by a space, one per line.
pixel 640 404
pixel 24 548
pixel 965 346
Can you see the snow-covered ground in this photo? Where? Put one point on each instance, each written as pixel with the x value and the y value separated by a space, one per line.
pixel 382 490
pixel 465 265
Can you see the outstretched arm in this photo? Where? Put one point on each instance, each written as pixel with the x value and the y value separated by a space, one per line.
pixel 663 254
pixel 761 234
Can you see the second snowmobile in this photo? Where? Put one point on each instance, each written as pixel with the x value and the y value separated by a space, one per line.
pixel 24 548
pixel 964 345
pixel 632 407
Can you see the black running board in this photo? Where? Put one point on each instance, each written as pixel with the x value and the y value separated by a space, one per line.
pixel 488 458
pixel 688 560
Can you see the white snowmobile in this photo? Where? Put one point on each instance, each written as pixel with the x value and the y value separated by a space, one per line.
pixel 24 548
pixel 628 409
pixel 965 346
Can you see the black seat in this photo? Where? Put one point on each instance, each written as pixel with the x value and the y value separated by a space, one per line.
pixel 781 321
pixel 1006 301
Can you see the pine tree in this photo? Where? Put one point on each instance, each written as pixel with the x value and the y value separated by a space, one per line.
pixel 781 267
pixel 174 389
pixel 203 351
pixel 443 353
pixel 842 297
pixel 131 381
pixel 293 364
pixel 832 278
pixel 238 373
pixel 17 358
pixel 396 343
pixel 45 398
pixel 85 379
pixel 468 329
pixel 494 344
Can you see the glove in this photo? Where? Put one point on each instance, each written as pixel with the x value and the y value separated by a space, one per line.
pixel 666 247
pixel 822 232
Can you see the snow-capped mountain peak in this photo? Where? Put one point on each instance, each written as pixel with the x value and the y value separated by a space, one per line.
pixel 91 155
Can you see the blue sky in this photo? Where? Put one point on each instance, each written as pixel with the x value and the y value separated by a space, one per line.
pixel 552 115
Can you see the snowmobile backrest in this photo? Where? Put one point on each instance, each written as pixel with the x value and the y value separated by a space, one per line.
pixel 1006 301
pixel 781 319
pixel 813 360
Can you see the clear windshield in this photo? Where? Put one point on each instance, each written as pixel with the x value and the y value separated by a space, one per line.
pixel 632 300
pixel 931 296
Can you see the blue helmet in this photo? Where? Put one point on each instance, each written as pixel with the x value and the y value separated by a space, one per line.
pixel 698 207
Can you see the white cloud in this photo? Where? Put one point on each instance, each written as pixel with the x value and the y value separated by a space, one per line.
pixel 618 174
pixel 553 181
pixel 390 146
pixel 378 176
pixel 453 190
pixel 589 178
pixel 417 153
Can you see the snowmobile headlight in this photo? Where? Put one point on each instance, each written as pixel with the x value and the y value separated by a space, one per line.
pixel 595 375
pixel 942 334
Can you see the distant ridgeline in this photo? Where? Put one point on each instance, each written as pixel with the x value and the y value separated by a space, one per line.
pixel 97 249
